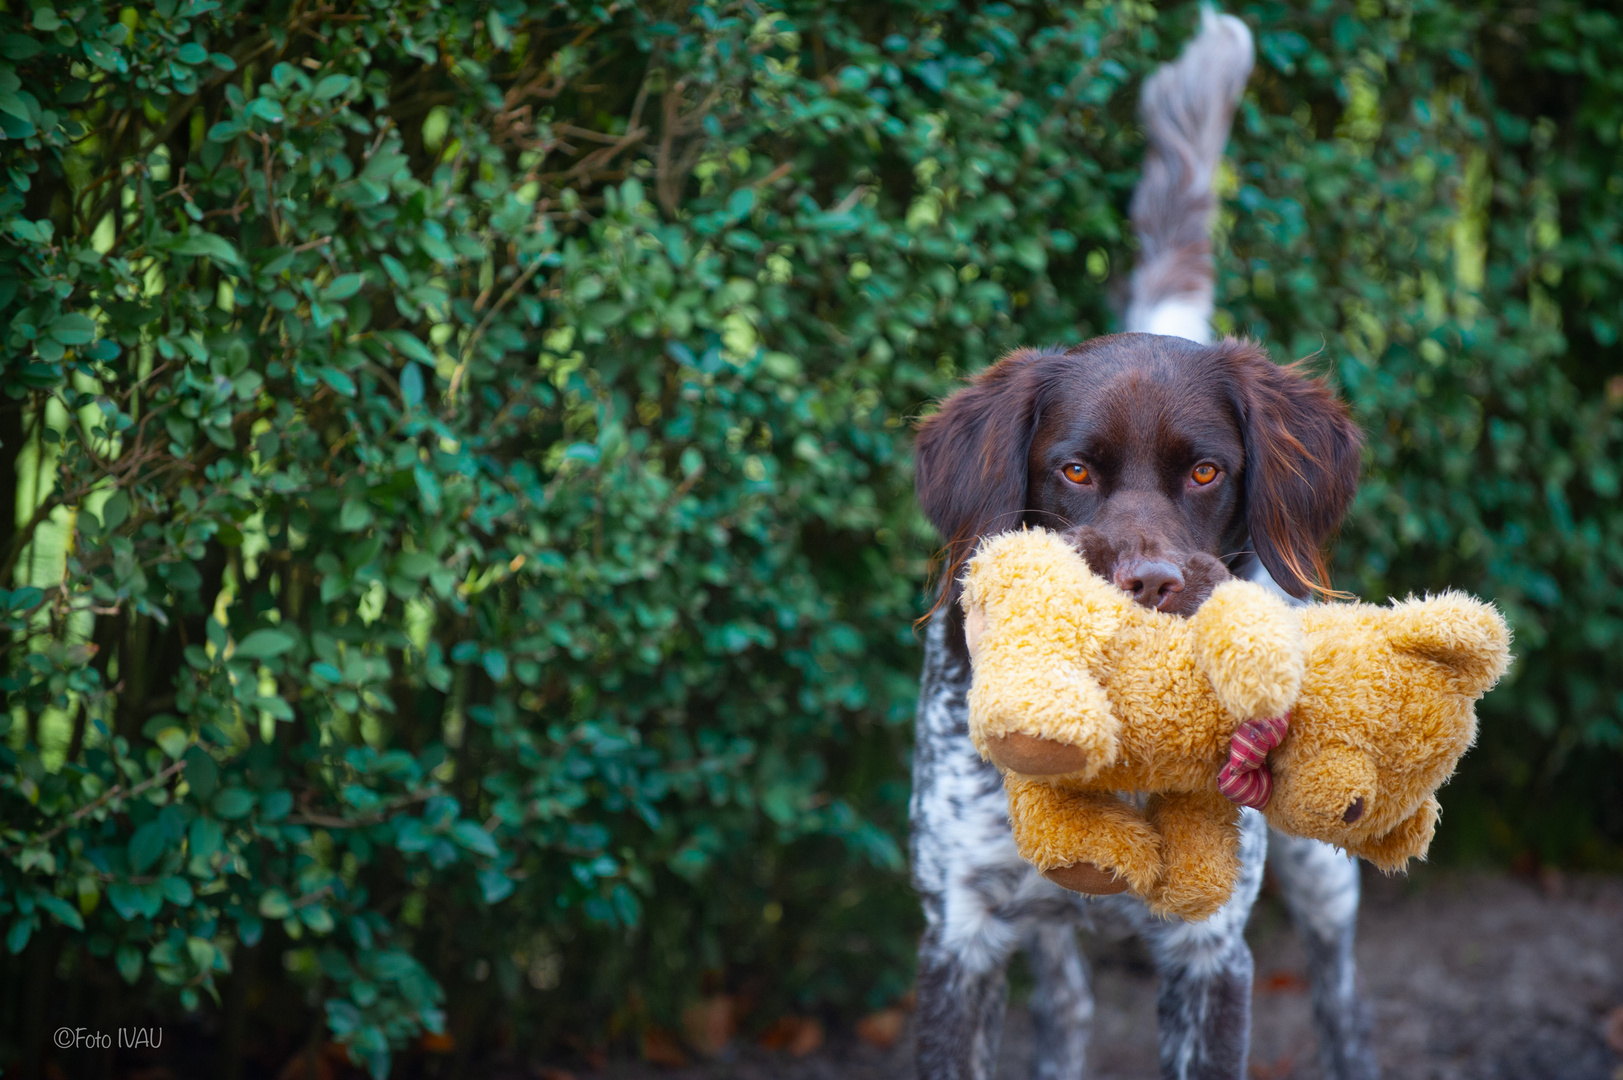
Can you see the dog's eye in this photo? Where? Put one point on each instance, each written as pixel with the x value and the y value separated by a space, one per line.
pixel 1203 473
pixel 1075 473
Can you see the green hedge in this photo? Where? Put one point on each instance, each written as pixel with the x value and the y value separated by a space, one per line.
pixel 465 554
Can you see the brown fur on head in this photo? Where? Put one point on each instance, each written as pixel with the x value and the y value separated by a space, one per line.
pixel 1112 439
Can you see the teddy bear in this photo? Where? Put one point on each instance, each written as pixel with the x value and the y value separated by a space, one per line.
pixel 1082 697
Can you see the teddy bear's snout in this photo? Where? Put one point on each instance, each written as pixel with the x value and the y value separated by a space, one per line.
pixel 1354 811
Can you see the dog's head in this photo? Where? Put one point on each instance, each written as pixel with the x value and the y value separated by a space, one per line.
pixel 1162 457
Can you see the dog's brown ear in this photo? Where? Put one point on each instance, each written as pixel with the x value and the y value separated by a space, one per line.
pixel 970 471
pixel 1301 463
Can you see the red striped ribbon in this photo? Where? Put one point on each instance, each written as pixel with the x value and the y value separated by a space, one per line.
pixel 1245 779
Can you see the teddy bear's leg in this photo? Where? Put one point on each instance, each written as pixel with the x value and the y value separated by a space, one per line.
pixel 1251 648
pixel 1086 841
pixel 1409 840
pixel 1200 853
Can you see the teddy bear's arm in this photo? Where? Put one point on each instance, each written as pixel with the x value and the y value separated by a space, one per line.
pixel 1055 829
pixel 1251 648
pixel 1035 615
pixel 1200 853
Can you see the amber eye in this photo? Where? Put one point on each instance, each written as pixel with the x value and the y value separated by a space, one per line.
pixel 1204 473
pixel 1076 474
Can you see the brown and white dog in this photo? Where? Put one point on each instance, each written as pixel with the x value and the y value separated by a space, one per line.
pixel 1176 462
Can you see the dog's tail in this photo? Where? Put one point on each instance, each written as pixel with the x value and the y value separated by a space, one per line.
pixel 1187 107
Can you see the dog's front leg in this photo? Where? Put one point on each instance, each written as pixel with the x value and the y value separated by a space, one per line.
pixel 1204 1004
pixel 977 896
pixel 1061 1002
pixel 960 1011
pixel 1320 888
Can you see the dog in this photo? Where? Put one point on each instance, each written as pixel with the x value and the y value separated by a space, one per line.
pixel 1176 462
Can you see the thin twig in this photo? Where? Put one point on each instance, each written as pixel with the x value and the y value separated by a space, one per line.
pixel 111 793
pixel 479 331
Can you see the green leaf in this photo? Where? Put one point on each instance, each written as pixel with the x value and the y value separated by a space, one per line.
pixel 262 644
pixel 343 287
pixel 202 774
pixel 116 510
pixel 102 55
pixel 411 385
pixel 146 846
pixel 214 247
pixel 317 918
pixel 60 910
pixel 274 904
pixel 330 87
pixel 173 741
pixel 265 109
pixel 72 330
pixel 129 963
pixel 19 47
pixel 475 839
pixel 205 838
pixel 177 891
pixel 354 515
pixel 233 803
pixel 338 380
pixel 416 565
pixel 494 885
pixel 191 53
pixel 409 346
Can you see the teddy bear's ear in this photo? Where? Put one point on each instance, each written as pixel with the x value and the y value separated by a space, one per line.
pixel 1463 634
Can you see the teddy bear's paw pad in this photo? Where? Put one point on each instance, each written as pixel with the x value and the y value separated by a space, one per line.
pixel 1085 877
pixel 1033 756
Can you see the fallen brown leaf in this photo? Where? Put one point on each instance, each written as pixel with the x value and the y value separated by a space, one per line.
pixel 881 1029
pixel 1278 1070
pixel 436 1042
pixel 799 1035
pixel 660 1047
pixel 709 1024
pixel 1284 982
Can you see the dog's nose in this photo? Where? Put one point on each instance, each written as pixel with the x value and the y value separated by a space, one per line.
pixel 1151 582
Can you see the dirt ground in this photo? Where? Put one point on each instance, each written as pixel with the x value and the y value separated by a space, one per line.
pixel 1471 977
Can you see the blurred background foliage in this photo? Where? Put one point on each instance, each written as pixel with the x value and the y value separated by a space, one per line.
pixel 464 554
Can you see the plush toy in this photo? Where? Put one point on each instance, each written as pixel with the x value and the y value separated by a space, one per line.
pixel 1080 696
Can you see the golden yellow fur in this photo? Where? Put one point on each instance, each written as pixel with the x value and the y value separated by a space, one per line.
pixel 1382 703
